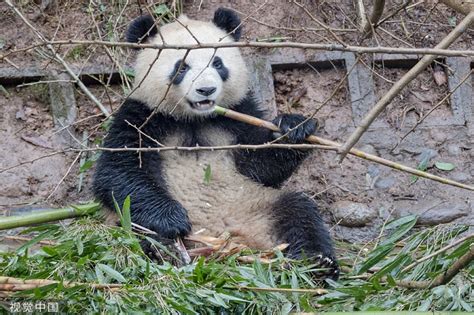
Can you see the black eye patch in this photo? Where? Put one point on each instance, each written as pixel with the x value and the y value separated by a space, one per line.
pixel 179 71
pixel 220 68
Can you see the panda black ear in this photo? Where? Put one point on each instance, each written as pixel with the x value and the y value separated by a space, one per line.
pixel 141 29
pixel 229 21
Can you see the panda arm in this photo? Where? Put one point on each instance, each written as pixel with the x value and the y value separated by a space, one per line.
pixel 270 167
pixel 119 174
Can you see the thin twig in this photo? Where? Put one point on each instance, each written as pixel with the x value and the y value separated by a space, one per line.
pixel 283 290
pixel 433 109
pixel 59 59
pixel 397 87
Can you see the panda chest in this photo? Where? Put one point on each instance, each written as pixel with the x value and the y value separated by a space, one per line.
pixel 201 179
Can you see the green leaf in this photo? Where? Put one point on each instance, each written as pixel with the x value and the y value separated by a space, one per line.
pixel 207 174
pixel 80 246
pixel 445 166
pixel 111 272
pixel 4 91
pixel 376 256
pixel 35 240
pixel 99 274
pixel 126 219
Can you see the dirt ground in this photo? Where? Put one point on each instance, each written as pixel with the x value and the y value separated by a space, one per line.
pixel 27 130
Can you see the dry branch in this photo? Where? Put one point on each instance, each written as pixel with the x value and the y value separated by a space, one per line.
pixel 314 139
pixel 400 84
pixel 443 278
pixel 377 11
pixel 461 6
pixel 267 45
pixel 59 59
pixel 16 284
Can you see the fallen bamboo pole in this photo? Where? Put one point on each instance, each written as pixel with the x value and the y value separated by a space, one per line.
pixel 366 156
pixel 11 222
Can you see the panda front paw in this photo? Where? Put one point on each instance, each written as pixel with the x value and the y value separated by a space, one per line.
pixel 296 127
pixel 160 249
pixel 327 267
pixel 175 223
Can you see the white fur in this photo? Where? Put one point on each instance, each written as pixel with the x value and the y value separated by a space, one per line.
pixel 152 84
pixel 230 202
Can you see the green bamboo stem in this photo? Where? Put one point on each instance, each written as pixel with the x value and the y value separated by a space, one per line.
pixel 361 154
pixel 38 217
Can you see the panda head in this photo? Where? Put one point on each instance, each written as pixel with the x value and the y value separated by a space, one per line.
pixel 188 86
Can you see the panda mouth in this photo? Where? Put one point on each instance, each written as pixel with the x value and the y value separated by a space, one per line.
pixel 202 105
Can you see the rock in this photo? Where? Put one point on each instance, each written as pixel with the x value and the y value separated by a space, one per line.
pixel 385 183
pixel 353 214
pixel 460 176
pixel 438 135
pixel 454 149
pixel 432 211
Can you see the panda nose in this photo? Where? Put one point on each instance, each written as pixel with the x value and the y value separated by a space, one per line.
pixel 206 91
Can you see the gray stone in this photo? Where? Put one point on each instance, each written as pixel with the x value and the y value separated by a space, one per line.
pixel 385 183
pixel 454 149
pixel 353 214
pixel 432 211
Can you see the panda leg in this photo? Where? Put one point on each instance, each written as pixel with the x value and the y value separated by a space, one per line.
pixel 297 222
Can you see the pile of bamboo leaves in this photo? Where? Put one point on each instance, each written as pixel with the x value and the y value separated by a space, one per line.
pixel 87 266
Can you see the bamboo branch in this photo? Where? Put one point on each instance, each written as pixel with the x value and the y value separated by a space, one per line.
pixel 439 251
pixel 48 216
pixel 400 84
pixel 17 284
pixel 318 140
pixel 443 278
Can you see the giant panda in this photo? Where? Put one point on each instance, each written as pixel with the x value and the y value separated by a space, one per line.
pixel 174 95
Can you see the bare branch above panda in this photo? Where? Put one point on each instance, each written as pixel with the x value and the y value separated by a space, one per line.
pixel 251 44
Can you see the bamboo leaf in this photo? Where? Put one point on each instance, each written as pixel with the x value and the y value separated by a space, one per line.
pixel 445 166
pixel 111 272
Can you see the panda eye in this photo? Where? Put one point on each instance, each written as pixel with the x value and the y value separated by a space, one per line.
pixel 183 68
pixel 217 63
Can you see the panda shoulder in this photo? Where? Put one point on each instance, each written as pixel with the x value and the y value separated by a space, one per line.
pixel 250 106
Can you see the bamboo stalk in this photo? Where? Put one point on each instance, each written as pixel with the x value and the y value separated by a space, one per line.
pixel 17 284
pixel 361 154
pixel 48 216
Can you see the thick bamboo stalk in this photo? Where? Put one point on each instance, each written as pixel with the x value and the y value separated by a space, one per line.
pixel 318 140
pixel 48 216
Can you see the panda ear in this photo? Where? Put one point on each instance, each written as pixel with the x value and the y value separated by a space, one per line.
pixel 229 21
pixel 141 29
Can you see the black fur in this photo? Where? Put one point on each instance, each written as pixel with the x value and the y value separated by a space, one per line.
pixel 141 29
pixel 220 68
pixel 298 223
pixel 118 174
pixel 229 21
